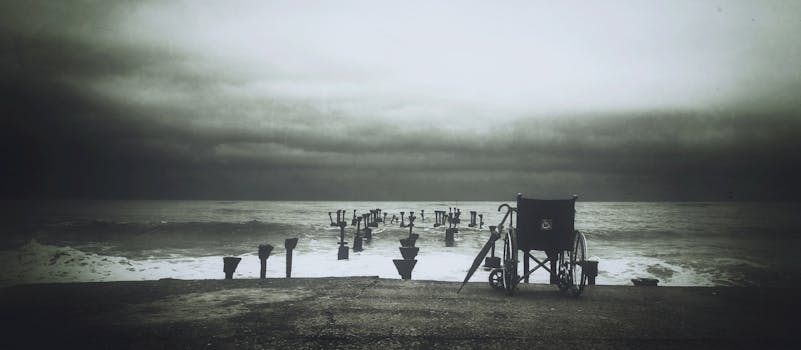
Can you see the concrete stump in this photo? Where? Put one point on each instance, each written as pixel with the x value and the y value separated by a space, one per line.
pixel 229 266
pixel 404 267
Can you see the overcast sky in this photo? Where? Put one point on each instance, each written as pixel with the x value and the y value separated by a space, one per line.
pixel 341 100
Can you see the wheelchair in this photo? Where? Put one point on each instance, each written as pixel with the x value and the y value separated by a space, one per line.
pixel 545 226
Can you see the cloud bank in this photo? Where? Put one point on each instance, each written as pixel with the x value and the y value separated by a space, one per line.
pixel 670 101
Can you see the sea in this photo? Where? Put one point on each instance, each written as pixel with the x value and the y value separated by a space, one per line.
pixel 679 243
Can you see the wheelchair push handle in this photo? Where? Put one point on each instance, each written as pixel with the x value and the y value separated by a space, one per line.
pixel 509 211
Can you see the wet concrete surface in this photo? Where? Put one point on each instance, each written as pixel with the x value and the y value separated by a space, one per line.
pixel 368 312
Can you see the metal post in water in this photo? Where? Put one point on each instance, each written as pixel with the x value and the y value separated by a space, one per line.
pixel 229 266
pixel 450 231
pixel 357 238
pixel 264 253
pixel 411 225
pixel 373 216
pixel 368 232
pixel 343 252
pixel 289 244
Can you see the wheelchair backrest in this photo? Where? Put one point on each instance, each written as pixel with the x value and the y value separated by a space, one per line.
pixel 546 225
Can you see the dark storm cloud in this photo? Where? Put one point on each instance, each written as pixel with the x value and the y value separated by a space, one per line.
pixel 89 112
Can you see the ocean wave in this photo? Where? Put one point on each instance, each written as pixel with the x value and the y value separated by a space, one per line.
pixel 35 262
pixel 163 239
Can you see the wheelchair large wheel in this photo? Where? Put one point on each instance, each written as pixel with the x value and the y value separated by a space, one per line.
pixel 572 278
pixel 579 256
pixel 510 262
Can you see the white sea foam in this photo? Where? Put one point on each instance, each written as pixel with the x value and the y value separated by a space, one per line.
pixel 617 271
pixel 39 263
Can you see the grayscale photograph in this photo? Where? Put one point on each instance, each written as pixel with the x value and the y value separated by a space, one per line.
pixel 351 174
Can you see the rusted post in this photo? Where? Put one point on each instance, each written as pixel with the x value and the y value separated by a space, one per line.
pixel 357 238
pixel 449 239
pixel 450 231
pixel 481 222
pixel 229 266
pixel 290 245
pixel 403 223
pixel 411 224
pixel 342 254
pixel 264 253
pixel 373 216
pixel 368 232
pixel 405 267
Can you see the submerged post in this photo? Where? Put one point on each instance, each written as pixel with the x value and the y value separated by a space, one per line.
pixel 357 238
pixel 451 230
pixel 373 218
pixel 403 224
pixel 411 224
pixel 289 244
pixel 368 232
pixel 229 266
pixel 264 253
pixel 481 223
pixel 449 239
pixel 343 252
